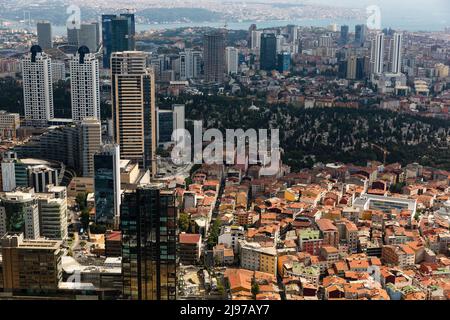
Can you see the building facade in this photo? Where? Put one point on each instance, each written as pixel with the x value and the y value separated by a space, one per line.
pixel 149 244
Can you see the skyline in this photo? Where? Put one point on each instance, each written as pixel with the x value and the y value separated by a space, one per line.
pixel 272 163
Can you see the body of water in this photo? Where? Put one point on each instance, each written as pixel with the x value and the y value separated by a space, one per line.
pixel 410 23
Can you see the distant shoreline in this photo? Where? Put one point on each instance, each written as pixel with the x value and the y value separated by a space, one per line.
pixel 405 24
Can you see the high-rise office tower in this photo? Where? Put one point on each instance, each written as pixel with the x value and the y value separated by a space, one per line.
pixel 351 67
pixel 178 116
pixel 149 244
pixel 344 35
pixel 214 57
pixel 232 60
pixel 292 31
pixel 377 54
pixel 87 36
pixel 280 43
pixel 256 40
pixel 361 67
pixel 169 121
pixel 33 266
pixel 44 32
pixel 19 212
pixel 284 62
pixel 118 35
pixel 165 126
pixel 396 53
pixel 134 111
pixel 268 55
pixel 72 36
pixel 360 33
pixel 85 85
pixel 190 64
pixel 37 87
pixel 249 37
pixel 90 141
pixel 107 185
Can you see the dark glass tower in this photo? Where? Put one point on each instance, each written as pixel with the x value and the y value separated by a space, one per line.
pixel 107 185
pixel 214 57
pixel 268 56
pixel 284 61
pixel 360 34
pixel 149 244
pixel 118 35
pixel 344 35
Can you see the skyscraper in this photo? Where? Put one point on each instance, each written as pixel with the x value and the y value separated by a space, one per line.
pixel 37 87
pixel 232 60
pixel 85 85
pixel 284 62
pixel 344 35
pixel 268 56
pixel 44 32
pixel 256 40
pixel 214 57
pixel 72 36
pixel 190 64
pixel 360 33
pixel 118 35
pixel 149 218
pixel 107 185
pixel 134 111
pixel 90 141
pixel 377 54
pixel 292 31
pixel 87 36
pixel 351 67
pixel 396 53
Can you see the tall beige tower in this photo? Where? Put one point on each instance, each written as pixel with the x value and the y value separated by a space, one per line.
pixel 90 143
pixel 134 111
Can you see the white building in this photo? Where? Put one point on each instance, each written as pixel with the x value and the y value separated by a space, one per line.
pixel 377 54
pixel 85 86
pixel 190 64
pixel 231 60
pixel 37 87
pixel 396 53
pixel 230 236
pixel 256 40
pixel 53 213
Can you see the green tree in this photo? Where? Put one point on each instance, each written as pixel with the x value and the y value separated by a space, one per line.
pixel 184 222
pixel 81 200
pixel 214 234
pixel 255 288
pixel 85 218
pixel 97 229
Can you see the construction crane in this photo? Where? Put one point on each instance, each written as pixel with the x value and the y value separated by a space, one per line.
pixel 384 150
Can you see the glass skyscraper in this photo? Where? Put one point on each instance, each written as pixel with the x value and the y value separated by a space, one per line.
pixel 149 243
pixel 107 185
pixel 268 56
pixel 118 35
